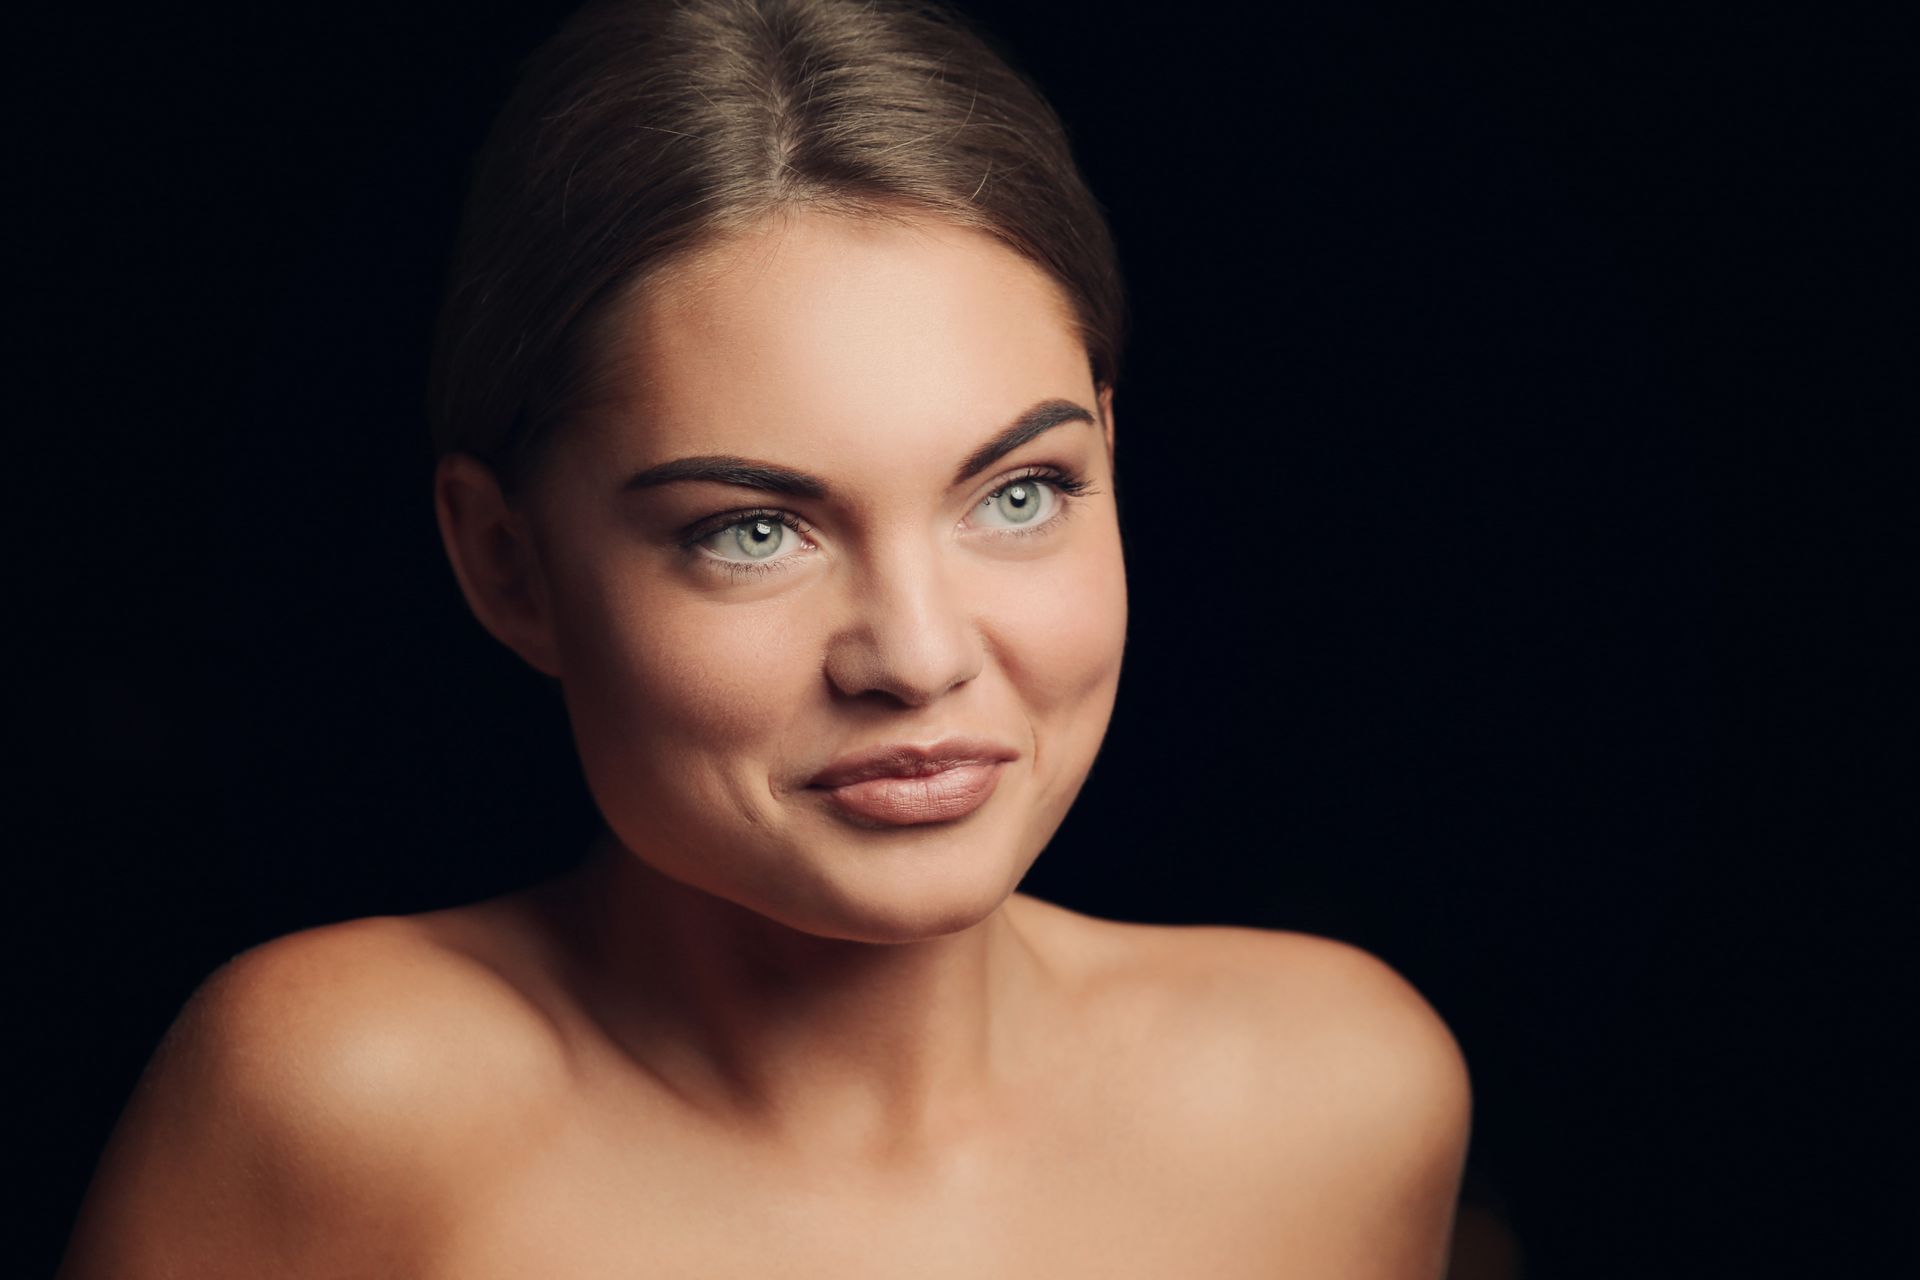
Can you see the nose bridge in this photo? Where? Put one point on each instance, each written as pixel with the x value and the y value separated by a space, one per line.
pixel 909 630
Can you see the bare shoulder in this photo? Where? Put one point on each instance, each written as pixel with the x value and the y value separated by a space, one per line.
pixel 1350 1071
pixel 386 1018
pixel 1321 1008
pixel 1308 1066
pixel 1333 1010
pixel 318 1093
pixel 1316 1019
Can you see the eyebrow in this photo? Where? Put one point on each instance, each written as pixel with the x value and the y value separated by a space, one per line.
pixel 748 473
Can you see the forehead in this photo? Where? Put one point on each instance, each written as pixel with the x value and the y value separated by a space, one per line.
pixel 841 339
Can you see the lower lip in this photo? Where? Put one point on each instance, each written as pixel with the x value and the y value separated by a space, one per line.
pixel 901 802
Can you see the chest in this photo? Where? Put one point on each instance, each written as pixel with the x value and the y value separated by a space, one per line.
pixel 1073 1199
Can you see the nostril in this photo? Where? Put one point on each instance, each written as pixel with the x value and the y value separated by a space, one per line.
pixel 910 646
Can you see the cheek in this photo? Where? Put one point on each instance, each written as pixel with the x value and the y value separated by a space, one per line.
pixel 674 687
pixel 1062 632
pixel 1061 645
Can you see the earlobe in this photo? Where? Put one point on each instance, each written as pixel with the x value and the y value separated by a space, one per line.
pixel 494 560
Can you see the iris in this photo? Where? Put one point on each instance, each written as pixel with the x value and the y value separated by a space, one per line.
pixel 759 538
pixel 1018 503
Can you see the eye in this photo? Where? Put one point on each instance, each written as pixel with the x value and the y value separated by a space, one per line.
pixel 754 542
pixel 1028 502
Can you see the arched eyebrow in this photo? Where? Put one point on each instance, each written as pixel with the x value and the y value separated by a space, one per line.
pixel 748 473
pixel 1044 416
pixel 727 468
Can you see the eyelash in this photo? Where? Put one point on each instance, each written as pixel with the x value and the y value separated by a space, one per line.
pixel 1070 486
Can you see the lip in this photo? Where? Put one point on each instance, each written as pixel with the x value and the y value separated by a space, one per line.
pixel 902 784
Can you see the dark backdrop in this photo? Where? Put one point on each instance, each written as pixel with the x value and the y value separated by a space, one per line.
pixel 1463 344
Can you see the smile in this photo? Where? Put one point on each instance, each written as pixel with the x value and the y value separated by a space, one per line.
pixel 942 796
pixel 911 785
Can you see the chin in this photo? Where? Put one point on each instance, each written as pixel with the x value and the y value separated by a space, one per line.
pixel 912 893
pixel 816 874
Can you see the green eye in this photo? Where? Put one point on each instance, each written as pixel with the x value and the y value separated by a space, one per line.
pixel 1023 502
pixel 1019 502
pixel 754 542
pixel 759 538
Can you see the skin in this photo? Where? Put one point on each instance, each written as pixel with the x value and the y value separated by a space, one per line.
pixel 750 1036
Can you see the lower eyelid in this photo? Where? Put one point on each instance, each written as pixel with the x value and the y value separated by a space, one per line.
pixel 745 569
pixel 1060 516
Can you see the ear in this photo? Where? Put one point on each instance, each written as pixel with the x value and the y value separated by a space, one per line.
pixel 494 558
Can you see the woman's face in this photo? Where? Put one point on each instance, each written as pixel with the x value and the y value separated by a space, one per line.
pixel 796 534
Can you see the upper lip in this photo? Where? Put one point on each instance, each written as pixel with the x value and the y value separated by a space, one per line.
pixel 905 760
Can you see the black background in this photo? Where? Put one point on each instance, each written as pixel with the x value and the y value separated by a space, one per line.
pixel 1479 606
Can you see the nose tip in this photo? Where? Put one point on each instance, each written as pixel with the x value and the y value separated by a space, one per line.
pixel 910 637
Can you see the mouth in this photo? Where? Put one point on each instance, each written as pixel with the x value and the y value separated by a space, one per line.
pixel 904 785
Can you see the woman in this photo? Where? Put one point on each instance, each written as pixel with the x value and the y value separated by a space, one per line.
pixel 774 393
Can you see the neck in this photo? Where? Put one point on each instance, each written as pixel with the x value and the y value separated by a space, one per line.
pixel 877 1047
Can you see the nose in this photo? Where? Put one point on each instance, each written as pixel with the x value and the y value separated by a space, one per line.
pixel 909 634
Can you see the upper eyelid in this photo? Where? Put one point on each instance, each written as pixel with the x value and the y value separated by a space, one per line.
pixel 1069 488
pixel 720 521
pixel 1070 482
pixel 1063 480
